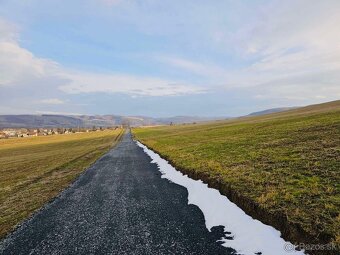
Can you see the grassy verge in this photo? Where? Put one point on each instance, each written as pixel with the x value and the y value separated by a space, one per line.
pixel 282 168
pixel 34 170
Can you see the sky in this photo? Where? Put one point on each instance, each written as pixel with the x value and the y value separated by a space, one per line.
pixel 167 58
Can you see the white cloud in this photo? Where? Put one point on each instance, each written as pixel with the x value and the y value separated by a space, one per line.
pixel 279 50
pixel 201 69
pixel 54 101
pixel 16 63
pixel 299 55
pixel 19 67
pixel 8 31
pixel 81 82
pixel 288 55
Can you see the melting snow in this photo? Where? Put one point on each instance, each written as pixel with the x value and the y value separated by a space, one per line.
pixel 250 236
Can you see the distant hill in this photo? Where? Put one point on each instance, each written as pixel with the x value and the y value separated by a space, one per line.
pixel 52 121
pixel 186 119
pixel 272 110
pixel 31 121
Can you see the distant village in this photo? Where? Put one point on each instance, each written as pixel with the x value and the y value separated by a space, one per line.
pixel 25 132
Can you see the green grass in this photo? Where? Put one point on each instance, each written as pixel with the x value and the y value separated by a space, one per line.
pixel 34 170
pixel 286 162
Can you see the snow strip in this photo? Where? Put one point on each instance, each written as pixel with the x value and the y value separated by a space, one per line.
pixel 250 236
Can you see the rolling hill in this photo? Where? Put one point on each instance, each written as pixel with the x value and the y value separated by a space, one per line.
pixel 282 168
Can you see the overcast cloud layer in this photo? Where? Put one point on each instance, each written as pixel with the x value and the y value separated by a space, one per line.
pixel 163 58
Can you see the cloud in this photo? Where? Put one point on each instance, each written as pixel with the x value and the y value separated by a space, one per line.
pixel 8 31
pixel 263 50
pixel 54 101
pixel 202 69
pixel 298 56
pixel 18 64
pixel 284 54
pixel 81 82
pixel 19 67
pixel 110 2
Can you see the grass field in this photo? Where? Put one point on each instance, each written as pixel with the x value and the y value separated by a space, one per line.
pixel 34 170
pixel 286 163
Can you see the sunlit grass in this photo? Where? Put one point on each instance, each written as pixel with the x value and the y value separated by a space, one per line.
pixel 286 162
pixel 33 170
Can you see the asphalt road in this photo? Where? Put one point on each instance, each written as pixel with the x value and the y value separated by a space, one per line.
pixel 120 205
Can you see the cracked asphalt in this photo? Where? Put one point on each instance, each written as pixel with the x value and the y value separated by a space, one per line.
pixel 120 205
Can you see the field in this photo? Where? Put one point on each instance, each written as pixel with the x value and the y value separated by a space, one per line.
pixel 34 170
pixel 282 168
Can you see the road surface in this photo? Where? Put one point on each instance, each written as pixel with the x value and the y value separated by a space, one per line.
pixel 120 205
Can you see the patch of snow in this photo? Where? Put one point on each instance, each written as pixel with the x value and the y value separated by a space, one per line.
pixel 250 236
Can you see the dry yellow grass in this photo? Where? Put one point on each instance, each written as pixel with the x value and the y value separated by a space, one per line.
pixel 33 170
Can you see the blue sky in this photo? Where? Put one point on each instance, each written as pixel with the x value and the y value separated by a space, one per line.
pixel 166 58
